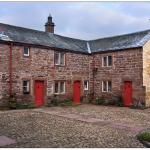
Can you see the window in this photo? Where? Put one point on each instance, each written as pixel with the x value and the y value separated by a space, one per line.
pixel 109 86
pixel 86 85
pixel 106 86
pixel 59 59
pixel 107 61
pixel 26 87
pixel 26 51
pixel 59 87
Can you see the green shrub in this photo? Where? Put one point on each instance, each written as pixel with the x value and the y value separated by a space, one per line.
pixel 12 102
pixel 31 105
pixel 25 105
pixel 138 104
pixel 54 101
pixel 99 100
pixel 137 107
pixel 21 106
pixel 118 101
pixel 145 136
pixel 66 102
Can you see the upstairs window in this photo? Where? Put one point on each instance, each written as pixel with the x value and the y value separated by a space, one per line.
pixel 107 61
pixel 106 86
pixel 86 85
pixel 59 87
pixel 26 51
pixel 59 58
pixel 26 87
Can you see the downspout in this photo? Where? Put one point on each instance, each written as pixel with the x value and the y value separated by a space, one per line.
pixel 10 68
pixel 93 70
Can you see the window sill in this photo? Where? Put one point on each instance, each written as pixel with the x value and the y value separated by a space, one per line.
pixel 25 56
pixel 59 93
pixel 85 89
pixel 106 91
pixel 59 65
pixel 107 66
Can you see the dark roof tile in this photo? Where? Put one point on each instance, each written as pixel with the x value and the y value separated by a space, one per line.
pixel 30 36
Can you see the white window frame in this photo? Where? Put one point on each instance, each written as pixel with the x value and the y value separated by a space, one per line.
pixel 28 86
pixel 59 82
pixel 107 64
pixel 59 59
pixel 107 90
pixel 28 51
pixel 86 88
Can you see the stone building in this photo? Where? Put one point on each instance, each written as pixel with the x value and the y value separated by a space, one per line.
pixel 37 66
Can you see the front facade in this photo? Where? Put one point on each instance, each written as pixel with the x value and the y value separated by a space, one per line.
pixel 37 66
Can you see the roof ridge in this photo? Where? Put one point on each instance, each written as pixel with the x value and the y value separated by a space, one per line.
pixel 119 35
pixel 22 27
pixel 70 37
pixel 113 36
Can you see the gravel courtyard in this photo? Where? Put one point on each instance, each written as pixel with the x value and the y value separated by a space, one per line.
pixel 78 126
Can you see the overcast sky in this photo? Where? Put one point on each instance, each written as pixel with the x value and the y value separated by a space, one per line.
pixel 85 20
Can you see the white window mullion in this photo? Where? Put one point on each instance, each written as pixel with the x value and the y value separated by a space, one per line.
pixel 107 61
pixel 107 85
pixel 64 88
pixel 58 87
pixel 59 58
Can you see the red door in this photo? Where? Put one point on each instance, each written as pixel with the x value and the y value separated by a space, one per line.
pixel 127 93
pixel 39 93
pixel 76 92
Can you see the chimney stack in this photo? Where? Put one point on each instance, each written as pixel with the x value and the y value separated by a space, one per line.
pixel 49 25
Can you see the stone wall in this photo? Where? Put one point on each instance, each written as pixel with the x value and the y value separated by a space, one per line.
pixel 40 66
pixel 127 66
pixel 4 73
pixel 146 71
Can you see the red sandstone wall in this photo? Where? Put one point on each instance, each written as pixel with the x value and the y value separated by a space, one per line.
pixel 127 65
pixel 40 66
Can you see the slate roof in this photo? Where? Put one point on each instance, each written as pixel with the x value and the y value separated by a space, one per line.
pixel 30 36
pixel 120 42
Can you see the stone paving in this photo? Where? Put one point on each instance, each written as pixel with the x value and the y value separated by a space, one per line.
pixel 80 126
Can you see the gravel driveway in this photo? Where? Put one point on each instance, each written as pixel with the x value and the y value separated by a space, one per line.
pixel 80 126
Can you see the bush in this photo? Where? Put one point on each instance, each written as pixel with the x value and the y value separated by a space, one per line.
pixel 22 106
pixel 66 102
pixel 25 105
pixel 31 105
pixel 12 102
pixel 54 101
pixel 118 101
pixel 100 100
pixel 137 104
pixel 145 136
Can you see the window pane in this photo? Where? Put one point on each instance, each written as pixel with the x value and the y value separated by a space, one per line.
pixel 26 51
pixel 56 58
pixel 104 86
pixel 109 86
pixel 86 85
pixel 25 83
pixel 62 58
pixel 56 87
pixel 109 60
pixel 26 87
pixel 62 87
pixel 104 61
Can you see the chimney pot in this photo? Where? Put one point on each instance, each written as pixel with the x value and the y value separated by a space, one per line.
pixel 49 25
